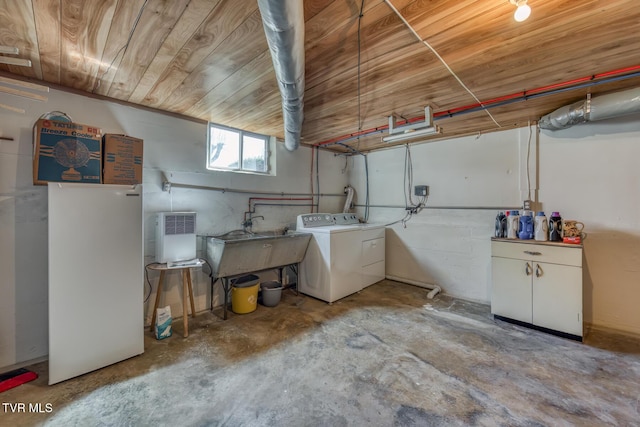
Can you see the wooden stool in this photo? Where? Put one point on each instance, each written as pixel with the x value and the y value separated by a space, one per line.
pixel 186 289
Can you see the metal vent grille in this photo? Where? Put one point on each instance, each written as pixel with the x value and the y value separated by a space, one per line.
pixel 180 224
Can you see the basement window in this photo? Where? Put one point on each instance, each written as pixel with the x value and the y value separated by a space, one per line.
pixel 230 149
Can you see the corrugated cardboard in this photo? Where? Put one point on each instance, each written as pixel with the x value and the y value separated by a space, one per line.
pixel 122 159
pixel 66 152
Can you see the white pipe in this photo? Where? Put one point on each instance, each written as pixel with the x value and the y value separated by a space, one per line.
pixel 347 203
pixel 435 289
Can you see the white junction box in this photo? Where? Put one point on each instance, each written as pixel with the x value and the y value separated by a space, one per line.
pixel 175 236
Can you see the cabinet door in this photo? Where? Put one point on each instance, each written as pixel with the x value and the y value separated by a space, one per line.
pixel 557 297
pixel 511 289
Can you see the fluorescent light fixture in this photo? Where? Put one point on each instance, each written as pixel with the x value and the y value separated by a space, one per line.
pixel 523 11
pixel 411 134
pixel 411 130
pixel 13 61
pixel 9 49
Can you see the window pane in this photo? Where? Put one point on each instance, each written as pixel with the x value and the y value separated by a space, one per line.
pixel 254 151
pixel 224 148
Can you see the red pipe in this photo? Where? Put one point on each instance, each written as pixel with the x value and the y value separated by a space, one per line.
pixel 490 101
pixel 542 89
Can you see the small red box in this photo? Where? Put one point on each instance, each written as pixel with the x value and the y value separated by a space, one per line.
pixel 573 240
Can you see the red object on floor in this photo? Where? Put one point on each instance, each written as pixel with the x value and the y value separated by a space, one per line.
pixel 15 378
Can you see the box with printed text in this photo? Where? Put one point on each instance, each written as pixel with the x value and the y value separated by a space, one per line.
pixel 66 152
pixel 122 159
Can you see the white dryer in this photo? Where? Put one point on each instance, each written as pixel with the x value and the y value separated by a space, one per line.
pixel 372 256
pixel 343 256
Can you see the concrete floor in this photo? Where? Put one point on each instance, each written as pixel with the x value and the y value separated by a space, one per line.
pixel 386 356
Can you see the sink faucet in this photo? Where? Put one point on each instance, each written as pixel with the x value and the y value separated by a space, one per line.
pixel 247 224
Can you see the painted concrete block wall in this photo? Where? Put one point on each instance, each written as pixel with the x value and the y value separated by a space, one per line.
pixel 588 173
pixel 173 148
pixel 447 247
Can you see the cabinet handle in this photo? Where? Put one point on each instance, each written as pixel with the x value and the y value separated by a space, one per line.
pixel 527 269
pixel 532 253
pixel 539 271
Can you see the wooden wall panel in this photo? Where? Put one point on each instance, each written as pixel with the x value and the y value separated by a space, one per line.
pixel 213 32
pixel 17 30
pixel 47 14
pixel 379 35
pixel 245 43
pixel 337 15
pixel 195 14
pixel 156 22
pixel 124 18
pixel 313 7
pixel 238 85
pixel 84 31
pixel 260 103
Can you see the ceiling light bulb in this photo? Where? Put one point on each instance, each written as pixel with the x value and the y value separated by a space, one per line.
pixel 523 11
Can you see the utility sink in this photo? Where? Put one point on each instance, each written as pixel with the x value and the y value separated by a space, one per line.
pixel 238 252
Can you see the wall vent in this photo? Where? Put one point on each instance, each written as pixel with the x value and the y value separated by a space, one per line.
pixel 179 223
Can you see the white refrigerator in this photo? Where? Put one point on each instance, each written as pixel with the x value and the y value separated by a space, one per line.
pixel 96 281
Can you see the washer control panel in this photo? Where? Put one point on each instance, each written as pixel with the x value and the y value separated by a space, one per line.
pixel 326 219
pixel 345 219
pixel 315 220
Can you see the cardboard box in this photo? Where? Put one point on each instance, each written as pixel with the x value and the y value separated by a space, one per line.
pixel 122 159
pixel 66 152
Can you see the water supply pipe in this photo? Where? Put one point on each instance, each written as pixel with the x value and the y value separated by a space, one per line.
pixel 435 289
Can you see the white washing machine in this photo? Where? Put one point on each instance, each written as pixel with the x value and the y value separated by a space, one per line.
pixel 343 256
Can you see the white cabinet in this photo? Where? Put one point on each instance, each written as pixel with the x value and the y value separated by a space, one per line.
pixel 538 283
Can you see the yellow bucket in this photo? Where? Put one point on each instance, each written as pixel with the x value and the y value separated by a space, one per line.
pixel 244 294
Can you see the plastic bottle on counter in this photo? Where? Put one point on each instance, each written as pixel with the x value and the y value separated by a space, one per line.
pixel 526 225
pixel 513 222
pixel 501 221
pixel 541 227
pixel 555 227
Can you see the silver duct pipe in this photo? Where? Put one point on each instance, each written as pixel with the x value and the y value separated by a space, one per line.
pixel 593 109
pixel 283 22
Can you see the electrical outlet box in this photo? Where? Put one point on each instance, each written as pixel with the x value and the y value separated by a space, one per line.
pixel 421 190
pixel 526 205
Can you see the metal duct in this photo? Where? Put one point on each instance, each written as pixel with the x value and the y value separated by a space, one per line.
pixel 283 22
pixel 593 109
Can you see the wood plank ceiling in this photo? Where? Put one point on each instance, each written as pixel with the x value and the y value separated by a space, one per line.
pixel 209 59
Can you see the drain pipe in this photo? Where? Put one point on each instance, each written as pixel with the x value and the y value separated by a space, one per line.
pixel 435 289
pixel 593 109
pixel 283 22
